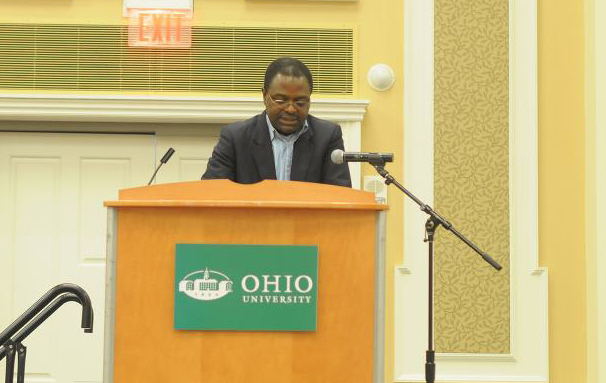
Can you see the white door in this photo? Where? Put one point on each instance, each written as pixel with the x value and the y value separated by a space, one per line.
pixel 52 230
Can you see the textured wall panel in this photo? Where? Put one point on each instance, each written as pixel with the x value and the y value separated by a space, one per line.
pixel 472 174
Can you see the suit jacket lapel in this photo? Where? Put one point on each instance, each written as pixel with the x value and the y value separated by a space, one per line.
pixel 302 155
pixel 262 149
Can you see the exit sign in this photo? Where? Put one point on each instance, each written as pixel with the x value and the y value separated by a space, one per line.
pixel 159 28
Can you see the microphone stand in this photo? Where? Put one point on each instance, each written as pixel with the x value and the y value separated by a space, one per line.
pixel 431 225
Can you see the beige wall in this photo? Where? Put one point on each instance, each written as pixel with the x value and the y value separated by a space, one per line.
pixel 561 182
pixel 380 29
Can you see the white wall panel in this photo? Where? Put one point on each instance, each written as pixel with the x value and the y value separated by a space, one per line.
pixel 34 198
pixel 190 168
pixel 192 152
pixel 100 178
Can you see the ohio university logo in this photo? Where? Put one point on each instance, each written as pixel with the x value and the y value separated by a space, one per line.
pixel 201 286
pixel 246 287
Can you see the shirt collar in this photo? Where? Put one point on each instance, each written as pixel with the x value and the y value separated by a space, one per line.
pixel 273 131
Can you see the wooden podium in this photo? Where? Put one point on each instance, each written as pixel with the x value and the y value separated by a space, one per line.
pixel 145 224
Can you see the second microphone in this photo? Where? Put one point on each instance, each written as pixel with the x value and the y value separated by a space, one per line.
pixel 338 157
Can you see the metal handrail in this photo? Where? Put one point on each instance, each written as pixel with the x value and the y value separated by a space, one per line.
pixel 33 317
pixel 83 299
pixel 40 318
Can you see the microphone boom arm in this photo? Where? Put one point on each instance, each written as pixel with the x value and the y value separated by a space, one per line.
pixel 389 179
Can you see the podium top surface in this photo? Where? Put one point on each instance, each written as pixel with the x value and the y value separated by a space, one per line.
pixel 265 194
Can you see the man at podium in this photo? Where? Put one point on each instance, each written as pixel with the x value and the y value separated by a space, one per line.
pixel 284 142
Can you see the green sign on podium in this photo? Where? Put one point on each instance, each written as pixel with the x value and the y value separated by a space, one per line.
pixel 246 287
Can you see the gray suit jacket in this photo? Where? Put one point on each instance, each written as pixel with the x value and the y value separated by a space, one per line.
pixel 244 153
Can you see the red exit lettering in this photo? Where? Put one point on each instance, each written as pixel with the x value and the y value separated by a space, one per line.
pixel 160 28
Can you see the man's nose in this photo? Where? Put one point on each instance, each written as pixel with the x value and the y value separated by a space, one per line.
pixel 290 108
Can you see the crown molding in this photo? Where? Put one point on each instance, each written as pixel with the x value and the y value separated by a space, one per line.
pixel 127 108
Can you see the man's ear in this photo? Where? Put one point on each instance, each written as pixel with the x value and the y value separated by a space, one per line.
pixel 264 97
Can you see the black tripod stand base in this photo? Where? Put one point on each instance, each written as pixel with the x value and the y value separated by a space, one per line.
pixel 430 367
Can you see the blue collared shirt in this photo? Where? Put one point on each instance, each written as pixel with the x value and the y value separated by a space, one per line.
pixel 283 147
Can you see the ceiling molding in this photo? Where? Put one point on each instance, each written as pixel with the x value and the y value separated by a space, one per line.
pixel 127 108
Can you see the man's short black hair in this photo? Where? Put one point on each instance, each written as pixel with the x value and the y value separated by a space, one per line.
pixel 287 66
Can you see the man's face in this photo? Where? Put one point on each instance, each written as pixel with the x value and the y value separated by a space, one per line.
pixel 287 102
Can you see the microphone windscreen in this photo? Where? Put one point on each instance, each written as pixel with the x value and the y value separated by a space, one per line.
pixel 337 156
pixel 167 156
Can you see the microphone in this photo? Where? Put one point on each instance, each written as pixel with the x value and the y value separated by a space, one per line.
pixel 167 155
pixel 164 160
pixel 338 157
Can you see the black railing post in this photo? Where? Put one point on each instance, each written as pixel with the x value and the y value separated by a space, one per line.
pixel 9 346
pixel 21 354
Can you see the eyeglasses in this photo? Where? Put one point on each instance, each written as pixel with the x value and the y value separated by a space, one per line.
pixel 300 103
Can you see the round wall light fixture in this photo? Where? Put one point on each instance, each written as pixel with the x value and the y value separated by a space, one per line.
pixel 380 77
